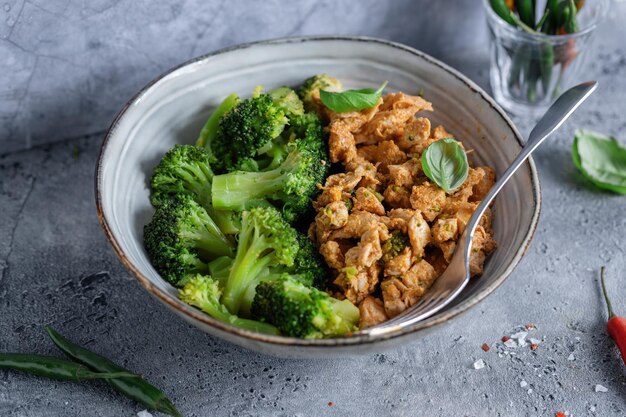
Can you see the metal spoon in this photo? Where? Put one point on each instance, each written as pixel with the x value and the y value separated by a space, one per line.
pixel 456 276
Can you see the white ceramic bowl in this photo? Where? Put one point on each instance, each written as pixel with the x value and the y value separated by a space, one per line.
pixel 172 109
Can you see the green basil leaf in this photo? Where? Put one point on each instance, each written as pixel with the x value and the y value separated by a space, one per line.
pixel 352 100
pixel 601 159
pixel 445 163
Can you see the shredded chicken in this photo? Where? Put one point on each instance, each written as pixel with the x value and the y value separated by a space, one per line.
pixel 382 226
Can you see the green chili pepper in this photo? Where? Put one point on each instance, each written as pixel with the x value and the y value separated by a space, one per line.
pixel 571 24
pixel 135 388
pixel 533 73
pixel 543 19
pixel 546 66
pixel 526 11
pixel 562 14
pixel 501 9
pixel 55 368
pixel 520 58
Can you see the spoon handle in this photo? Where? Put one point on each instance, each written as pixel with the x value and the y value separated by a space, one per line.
pixel 556 115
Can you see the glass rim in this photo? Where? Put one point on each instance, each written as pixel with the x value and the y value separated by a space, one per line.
pixel 492 16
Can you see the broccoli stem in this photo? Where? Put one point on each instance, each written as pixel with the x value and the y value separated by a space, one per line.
pixel 218 312
pixel 209 130
pixel 208 236
pixel 237 190
pixel 247 266
pixel 219 268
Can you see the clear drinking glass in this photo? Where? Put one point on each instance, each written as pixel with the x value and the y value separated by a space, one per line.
pixel 528 71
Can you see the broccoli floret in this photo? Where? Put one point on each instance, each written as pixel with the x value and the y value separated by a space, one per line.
pixel 204 293
pixel 246 128
pixel 300 311
pixel 308 267
pixel 181 237
pixel 209 130
pixel 183 169
pixel 315 83
pixel 265 240
pixel 395 244
pixel 291 185
pixel 186 169
pixel 288 99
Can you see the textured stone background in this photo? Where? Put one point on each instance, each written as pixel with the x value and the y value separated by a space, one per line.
pixel 67 66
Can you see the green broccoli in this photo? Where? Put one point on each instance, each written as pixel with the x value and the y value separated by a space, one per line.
pixel 204 293
pixel 209 130
pixel 291 185
pixel 182 236
pixel 308 267
pixel 186 169
pixel 288 99
pixel 265 240
pixel 395 244
pixel 219 268
pixel 300 311
pixel 317 82
pixel 244 129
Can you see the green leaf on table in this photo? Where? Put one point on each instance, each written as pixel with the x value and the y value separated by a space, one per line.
pixel 601 159
pixel 445 163
pixel 352 100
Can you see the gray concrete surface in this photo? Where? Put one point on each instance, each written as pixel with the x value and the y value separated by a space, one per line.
pixel 57 268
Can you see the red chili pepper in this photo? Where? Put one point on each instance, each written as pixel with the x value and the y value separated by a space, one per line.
pixel 616 325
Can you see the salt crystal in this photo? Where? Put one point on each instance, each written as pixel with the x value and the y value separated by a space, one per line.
pixel 534 341
pixel 521 342
pixel 519 335
pixel 510 343
pixel 479 364
pixel 601 388
pixel 592 409
pixel 523 384
pixel 530 390
pixel 570 357
pixel 144 413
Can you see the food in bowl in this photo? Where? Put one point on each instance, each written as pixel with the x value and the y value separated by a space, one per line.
pixel 315 212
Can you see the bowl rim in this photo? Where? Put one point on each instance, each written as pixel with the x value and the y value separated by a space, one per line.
pixel 358 339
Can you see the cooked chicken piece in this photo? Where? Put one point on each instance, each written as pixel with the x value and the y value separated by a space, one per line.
pixel 333 216
pixel 483 240
pixel 397 109
pixel 447 249
pixel 341 146
pixel 414 134
pixel 477 262
pixel 358 223
pixel 402 213
pixel 429 199
pixel 441 133
pixel 358 283
pixel 445 229
pixel 372 312
pixel 347 181
pixel 474 176
pixel 370 177
pixel 462 211
pixel 366 252
pixel 330 195
pixel 331 251
pixel 404 174
pixel 385 153
pixel 397 197
pixel 368 200
pixel 419 234
pixel 400 294
pixel 354 120
pixel 481 188
pixel 400 264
